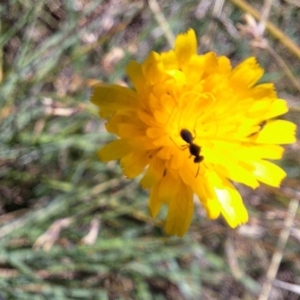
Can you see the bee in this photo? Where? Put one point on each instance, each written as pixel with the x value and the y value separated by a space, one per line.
pixel 193 148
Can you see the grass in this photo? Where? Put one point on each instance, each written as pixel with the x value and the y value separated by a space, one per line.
pixel 72 227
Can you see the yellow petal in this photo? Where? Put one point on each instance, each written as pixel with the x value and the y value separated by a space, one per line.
pixel 153 69
pixel 230 163
pixel 208 198
pixel 180 211
pixel 134 163
pixel 237 173
pixel 148 179
pixel 135 73
pixel 155 202
pixel 194 69
pixel 264 90
pixel 162 193
pixel 246 73
pixel 278 107
pixel 111 98
pixel 185 46
pixel 154 173
pixel 231 203
pixel 148 119
pixel 211 63
pixel 114 150
pixel 224 65
pixel 262 151
pixel 129 130
pixel 155 132
pixel 277 132
pixel 169 60
pixel 268 173
pixel 168 188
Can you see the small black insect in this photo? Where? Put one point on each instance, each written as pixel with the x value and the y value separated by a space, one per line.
pixel 194 148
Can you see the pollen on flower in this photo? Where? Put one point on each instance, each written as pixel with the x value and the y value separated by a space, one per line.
pixel 192 125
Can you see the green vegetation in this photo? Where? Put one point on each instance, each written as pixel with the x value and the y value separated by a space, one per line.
pixel 72 227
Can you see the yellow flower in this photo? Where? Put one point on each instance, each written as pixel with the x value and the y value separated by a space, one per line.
pixel 191 125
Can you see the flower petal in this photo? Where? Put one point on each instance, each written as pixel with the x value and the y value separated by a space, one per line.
pixel 162 194
pixel 263 151
pixel 246 74
pixel 277 132
pixel 268 173
pixel 185 47
pixel 278 107
pixel 207 196
pixel 111 97
pixel 134 163
pixel 180 211
pixel 114 150
pixel 154 173
pixel 155 202
pixel 148 179
pixel 232 206
pixel 153 69
pixel 135 73
pixel 263 90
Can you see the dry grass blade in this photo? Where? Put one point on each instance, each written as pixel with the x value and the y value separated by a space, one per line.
pixel 162 22
pixel 278 254
pixel 274 31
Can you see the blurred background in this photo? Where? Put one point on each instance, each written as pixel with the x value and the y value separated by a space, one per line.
pixel 72 227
